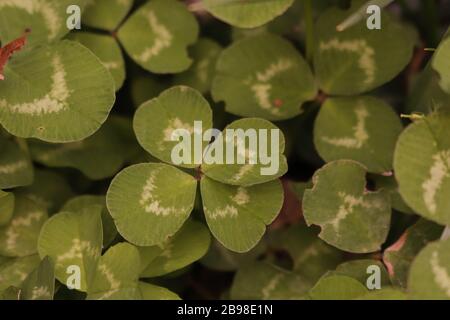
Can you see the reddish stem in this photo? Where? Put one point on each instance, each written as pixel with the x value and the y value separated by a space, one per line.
pixel 415 66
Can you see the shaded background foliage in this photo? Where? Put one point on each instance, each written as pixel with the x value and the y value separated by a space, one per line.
pixel 288 240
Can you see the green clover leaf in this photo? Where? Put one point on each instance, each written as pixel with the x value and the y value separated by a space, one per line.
pixel 80 203
pixel 246 14
pixel 351 218
pixel 58 104
pixel 49 189
pixel 399 256
pixel 263 76
pixel 150 202
pixel 7 203
pixel 14 272
pixel 107 50
pixel 106 14
pixel 73 239
pixel 442 65
pixel 99 156
pixel 358 60
pixel 188 245
pixel 242 171
pixel 16 169
pixel 429 273
pixel 349 128
pixel 116 277
pixel 40 284
pixel 337 287
pixel 421 164
pixel 45 18
pixel 162 48
pixel 177 108
pixel 238 216
pixel 19 237
pixel 263 281
pixel 200 75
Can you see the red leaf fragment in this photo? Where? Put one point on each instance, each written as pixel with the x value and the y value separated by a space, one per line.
pixel 397 246
pixel 7 51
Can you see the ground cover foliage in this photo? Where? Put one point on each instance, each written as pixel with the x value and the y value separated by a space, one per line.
pixel 358 206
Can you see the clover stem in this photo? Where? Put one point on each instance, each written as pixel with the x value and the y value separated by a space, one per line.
pixel 321 97
pixel 199 173
pixel 309 28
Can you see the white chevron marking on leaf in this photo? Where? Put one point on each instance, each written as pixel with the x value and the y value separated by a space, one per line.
pixel 25 221
pixel 438 172
pixel 441 276
pixel 39 293
pixel 271 286
pixel 163 38
pixel 348 205
pixel 12 168
pixel 262 87
pixel 360 47
pixel 77 250
pixel 150 202
pixel 228 211
pixel 111 279
pixel 53 102
pixel 360 135
pixel 241 198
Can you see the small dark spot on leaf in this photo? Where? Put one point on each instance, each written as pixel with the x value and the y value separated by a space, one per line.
pixel 278 103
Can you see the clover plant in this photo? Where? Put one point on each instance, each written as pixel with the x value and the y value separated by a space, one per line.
pixel 126 162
